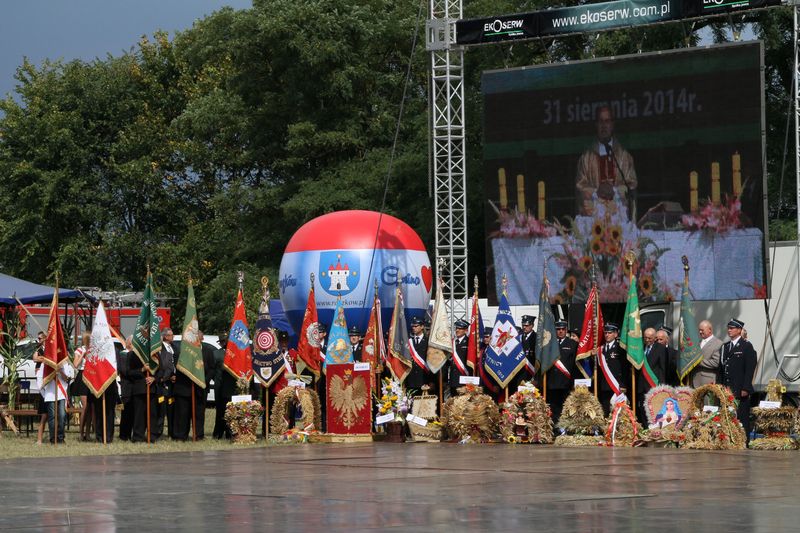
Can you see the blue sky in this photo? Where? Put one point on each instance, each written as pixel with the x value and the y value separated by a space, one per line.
pixel 87 29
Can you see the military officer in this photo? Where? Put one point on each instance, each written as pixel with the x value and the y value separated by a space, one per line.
pixel 527 338
pixel 737 366
pixel 616 365
pixel 418 375
pixel 559 380
pixel 461 344
pixel 355 343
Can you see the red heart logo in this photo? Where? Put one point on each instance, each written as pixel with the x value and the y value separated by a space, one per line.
pixel 427 277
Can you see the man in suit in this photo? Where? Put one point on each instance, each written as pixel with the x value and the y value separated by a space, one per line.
pixel 527 338
pixel 182 390
pixel 706 370
pixel 461 344
pixel 737 365
pixel 559 383
pixel 126 388
pixel 657 359
pixel 141 381
pixel 355 343
pixel 167 360
pixel 663 337
pixel 419 375
pixel 616 365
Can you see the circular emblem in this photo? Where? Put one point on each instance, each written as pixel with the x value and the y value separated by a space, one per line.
pixel 312 335
pixel 265 340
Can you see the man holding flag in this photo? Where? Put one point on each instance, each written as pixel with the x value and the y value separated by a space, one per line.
pixel 54 375
pixel 612 362
pixel 100 374
pixel 504 357
pixel 561 375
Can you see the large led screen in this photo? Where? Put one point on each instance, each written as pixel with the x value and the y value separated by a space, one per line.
pixel 650 156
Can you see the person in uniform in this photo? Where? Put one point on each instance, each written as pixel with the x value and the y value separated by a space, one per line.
pixel 559 384
pixel 656 356
pixel 527 338
pixel 461 345
pixel 224 389
pixel 167 361
pixel 575 335
pixel 616 362
pixel 706 370
pixel 182 391
pixel 322 337
pixel 141 381
pixel 663 336
pixel 355 343
pixel 737 365
pixel 418 376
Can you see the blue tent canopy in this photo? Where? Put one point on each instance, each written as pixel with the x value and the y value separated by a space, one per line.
pixel 13 289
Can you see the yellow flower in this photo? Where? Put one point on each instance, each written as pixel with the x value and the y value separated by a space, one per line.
pixel 646 284
pixel 597 246
pixel 511 439
pixel 585 263
pixel 570 285
pixel 615 232
pixel 597 230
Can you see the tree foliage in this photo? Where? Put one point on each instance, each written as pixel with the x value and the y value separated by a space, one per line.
pixel 201 155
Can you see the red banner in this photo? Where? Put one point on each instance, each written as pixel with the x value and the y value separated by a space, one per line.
pixel 349 400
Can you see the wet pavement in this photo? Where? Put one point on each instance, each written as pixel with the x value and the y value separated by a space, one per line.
pixel 405 487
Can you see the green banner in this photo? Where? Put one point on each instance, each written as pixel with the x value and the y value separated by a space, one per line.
pixel 190 361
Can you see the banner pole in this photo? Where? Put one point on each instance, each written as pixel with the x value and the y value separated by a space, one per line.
pixel 544 386
pixel 266 412
pixel 266 415
pixel 441 392
pixel 594 375
pixel 194 417
pixel 633 388
pixel 55 411
pixel 147 375
pixel 105 426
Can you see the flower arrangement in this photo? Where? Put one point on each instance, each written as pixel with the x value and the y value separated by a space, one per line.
pixel 719 430
pixel 604 243
pixel 514 224
pixel 470 417
pixel 394 399
pixel 242 418
pixel 525 417
pixel 716 218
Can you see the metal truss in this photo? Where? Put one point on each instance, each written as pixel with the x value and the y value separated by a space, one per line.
pixel 448 153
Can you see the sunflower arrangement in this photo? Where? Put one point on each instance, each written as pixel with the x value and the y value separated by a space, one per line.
pixel 604 242
pixel 525 417
pixel 719 430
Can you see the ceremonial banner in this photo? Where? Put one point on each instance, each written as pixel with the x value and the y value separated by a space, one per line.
pixel 190 360
pixel 547 349
pixel 349 403
pixel 100 368
pixel 440 341
pixel 147 336
pixel 238 357
pixel 591 334
pixel 55 346
pixel 339 350
pixel 268 361
pixel 475 334
pixel 398 357
pixel 631 336
pixel 690 343
pixel 504 356
pixel 373 348
pixel 308 345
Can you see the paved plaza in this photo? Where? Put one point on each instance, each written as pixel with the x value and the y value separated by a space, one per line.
pixel 405 487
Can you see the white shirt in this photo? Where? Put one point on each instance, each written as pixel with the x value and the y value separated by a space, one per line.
pixel 705 341
pixel 48 391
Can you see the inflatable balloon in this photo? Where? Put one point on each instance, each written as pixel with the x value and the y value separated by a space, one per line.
pixel 346 253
